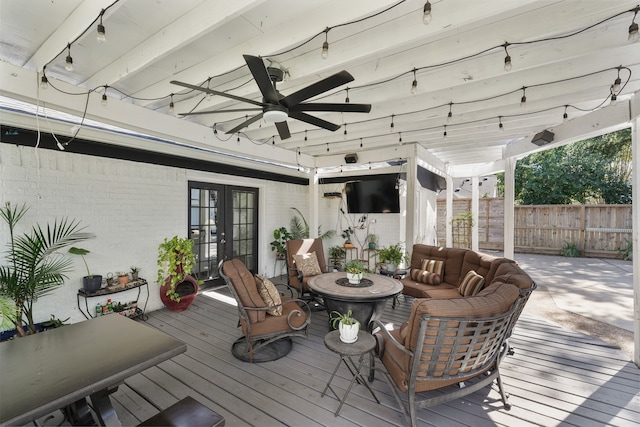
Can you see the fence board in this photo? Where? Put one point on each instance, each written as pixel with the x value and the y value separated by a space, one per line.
pixel 598 230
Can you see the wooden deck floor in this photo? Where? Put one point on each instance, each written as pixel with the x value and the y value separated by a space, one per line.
pixel 556 377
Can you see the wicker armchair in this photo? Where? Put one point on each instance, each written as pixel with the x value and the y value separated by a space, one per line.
pixel 436 359
pixel 265 337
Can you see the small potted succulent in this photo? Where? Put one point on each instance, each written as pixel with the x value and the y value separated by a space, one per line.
pixel 347 325
pixel 372 240
pixel 354 269
pixel 134 272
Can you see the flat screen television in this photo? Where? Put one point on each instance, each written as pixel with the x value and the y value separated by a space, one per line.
pixel 378 195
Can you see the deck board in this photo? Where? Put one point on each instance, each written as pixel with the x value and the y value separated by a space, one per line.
pixel 556 377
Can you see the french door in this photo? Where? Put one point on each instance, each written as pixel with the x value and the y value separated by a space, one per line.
pixel 223 224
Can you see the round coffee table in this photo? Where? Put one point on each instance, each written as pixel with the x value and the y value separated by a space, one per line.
pixel 366 303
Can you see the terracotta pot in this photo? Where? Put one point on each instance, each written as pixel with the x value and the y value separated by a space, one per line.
pixel 187 290
pixel 124 279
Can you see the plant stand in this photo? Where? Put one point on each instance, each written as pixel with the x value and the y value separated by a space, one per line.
pixel 88 313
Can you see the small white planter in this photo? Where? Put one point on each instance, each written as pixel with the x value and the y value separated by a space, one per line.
pixel 349 333
pixel 354 279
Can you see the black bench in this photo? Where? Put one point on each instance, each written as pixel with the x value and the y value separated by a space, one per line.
pixel 187 412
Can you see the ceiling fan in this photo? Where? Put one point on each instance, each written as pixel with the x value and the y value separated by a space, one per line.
pixel 276 108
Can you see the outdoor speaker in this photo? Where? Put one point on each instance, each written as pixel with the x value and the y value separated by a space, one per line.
pixel 543 138
pixel 351 158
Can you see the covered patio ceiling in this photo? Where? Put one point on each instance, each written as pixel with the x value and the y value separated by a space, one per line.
pixel 565 58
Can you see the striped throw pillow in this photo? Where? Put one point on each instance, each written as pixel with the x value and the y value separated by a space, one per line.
pixel 471 284
pixel 433 266
pixel 424 276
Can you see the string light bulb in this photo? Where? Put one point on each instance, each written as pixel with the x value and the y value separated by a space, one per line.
pixel 414 84
pixel 104 97
pixel 305 135
pixel 507 58
pixel 215 129
pixel 101 37
pixel 69 61
pixel 617 82
pixel 614 97
pixel 361 144
pixel 444 134
pixel 400 138
pixel 347 98
pixel 325 45
pixel 500 125
pixel 392 125
pixel 327 147
pixel 565 116
pixel 523 100
pixel 345 130
pixel 208 96
pixel 633 28
pixel 426 13
pixel 450 115
pixel 171 105
pixel 44 82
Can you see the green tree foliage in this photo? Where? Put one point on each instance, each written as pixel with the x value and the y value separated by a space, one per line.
pixel 596 170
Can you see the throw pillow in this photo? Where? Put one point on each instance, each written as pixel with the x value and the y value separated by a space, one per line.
pixel 433 266
pixel 308 264
pixel 424 276
pixel 269 294
pixel 471 284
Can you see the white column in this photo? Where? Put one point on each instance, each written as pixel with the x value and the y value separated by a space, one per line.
pixel 449 213
pixel 509 202
pixel 314 203
pixel 635 195
pixel 411 218
pixel 475 211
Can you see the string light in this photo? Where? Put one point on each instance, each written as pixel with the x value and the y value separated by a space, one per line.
pixel 400 138
pixel 617 82
pixel 305 135
pixel 171 105
pixel 450 115
pixel 101 37
pixel 345 130
pixel 500 125
pixel 327 147
pixel 208 96
pixel 392 125
pixel 69 61
pixel 215 128
pixel 104 97
pixel 444 134
pixel 565 116
pixel 523 100
pixel 347 98
pixel 361 144
pixel 325 45
pixel 238 139
pixel 44 82
pixel 614 97
pixel 414 84
pixel 507 58
pixel 633 28
pixel 426 13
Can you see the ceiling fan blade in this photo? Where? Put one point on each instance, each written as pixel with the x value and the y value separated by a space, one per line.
pixel 245 123
pixel 283 130
pixel 342 108
pixel 303 117
pixel 317 88
pixel 261 76
pixel 215 92
pixel 235 110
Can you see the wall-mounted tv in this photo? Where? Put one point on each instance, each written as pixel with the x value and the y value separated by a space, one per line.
pixel 378 195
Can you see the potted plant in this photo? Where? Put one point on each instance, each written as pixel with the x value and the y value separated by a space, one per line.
pixel 347 325
pixel 135 272
pixel 178 288
pixel 346 235
pixel 354 269
pixel 123 277
pixel 91 282
pixel 34 264
pixel 393 256
pixel 109 279
pixel 336 255
pixel 280 237
pixel 372 240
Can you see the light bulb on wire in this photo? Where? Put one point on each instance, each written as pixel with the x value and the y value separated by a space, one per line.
pixel 633 28
pixel 617 83
pixel 325 45
pixel 171 105
pixel 414 84
pixel 426 13
pixel 507 58
pixel 565 116
pixel 523 100
pixel 69 61
pixel 450 114
pixel 500 125
pixel 444 134
pixel 346 100
pixel 614 97
pixel 44 82
pixel 101 37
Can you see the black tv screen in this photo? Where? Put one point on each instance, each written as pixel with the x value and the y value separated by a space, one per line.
pixel 378 195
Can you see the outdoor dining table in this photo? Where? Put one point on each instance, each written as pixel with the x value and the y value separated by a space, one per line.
pixel 60 368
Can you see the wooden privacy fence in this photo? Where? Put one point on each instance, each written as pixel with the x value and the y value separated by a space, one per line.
pixel 597 230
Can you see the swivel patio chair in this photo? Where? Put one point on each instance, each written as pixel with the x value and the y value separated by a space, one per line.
pixel 433 359
pixel 267 328
pixel 305 251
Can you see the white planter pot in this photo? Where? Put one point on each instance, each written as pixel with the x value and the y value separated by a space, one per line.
pixel 349 333
pixel 354 278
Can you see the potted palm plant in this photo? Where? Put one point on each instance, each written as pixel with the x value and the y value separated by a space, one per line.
pixel 347 325
pixel 35 266
pixel 354 269
pixel 91 282
pixel 178 288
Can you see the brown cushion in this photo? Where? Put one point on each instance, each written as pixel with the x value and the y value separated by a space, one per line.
pixel 245 286
pixel 291 312
pixel 433 266
pixel 424 276
pixel 308 264
pixel 269 294
pixel 471 284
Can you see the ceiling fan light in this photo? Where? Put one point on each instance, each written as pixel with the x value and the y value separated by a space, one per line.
pixel 275 116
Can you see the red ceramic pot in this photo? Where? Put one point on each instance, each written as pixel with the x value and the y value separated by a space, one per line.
pixel 187 290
